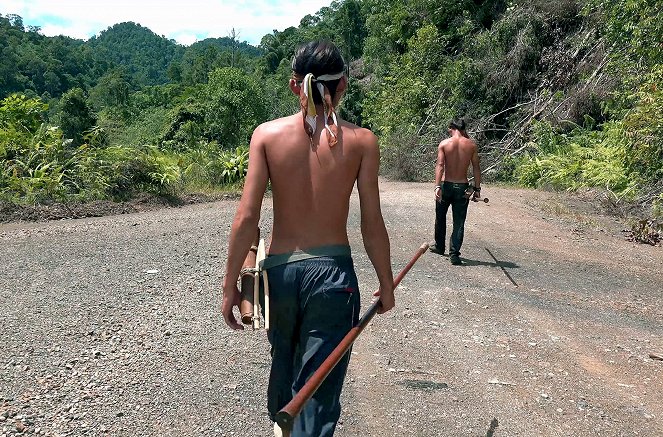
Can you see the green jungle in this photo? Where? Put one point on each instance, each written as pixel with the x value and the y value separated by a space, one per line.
pixel 564 95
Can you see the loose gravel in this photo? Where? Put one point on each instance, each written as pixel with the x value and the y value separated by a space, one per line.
pixel 111 327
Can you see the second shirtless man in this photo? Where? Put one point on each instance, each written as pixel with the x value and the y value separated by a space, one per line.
pixel 454 156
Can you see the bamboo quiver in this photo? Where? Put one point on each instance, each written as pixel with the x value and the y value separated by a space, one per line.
pixel 247 282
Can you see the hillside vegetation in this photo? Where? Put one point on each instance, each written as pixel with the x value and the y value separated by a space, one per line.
pixel 563 95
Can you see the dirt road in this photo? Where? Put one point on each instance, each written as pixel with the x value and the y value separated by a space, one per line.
pixel 110 326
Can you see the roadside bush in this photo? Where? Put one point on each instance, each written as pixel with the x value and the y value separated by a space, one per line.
pixel 209 166
pixel 133 170
pixel 403 159
pixel 38 164
pixel 580 159
pixel 643 126
pixel 75 116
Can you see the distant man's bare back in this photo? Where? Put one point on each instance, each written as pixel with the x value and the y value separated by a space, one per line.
pixel 455 155
pixel 311 184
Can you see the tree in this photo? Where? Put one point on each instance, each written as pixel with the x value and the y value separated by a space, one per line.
pixel 75 116
pixel 234 106
pixel 144 55
pixel 112 89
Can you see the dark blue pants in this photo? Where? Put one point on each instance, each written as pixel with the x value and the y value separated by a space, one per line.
pixel 313 304
pixel 452 194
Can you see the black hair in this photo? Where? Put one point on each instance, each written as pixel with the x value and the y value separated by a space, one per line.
pixel 318 57
pixel 457 123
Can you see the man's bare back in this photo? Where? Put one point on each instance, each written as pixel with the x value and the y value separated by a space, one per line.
pixel 312 184
pixel 312 181
pixel 454 156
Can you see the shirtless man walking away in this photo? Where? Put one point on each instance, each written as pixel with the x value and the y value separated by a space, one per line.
pixel 454 156
pixel 313 160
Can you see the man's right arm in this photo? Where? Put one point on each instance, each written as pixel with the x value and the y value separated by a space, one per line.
pixel 439 165
pixel 245 224
pixel 373 230
pixel 439 170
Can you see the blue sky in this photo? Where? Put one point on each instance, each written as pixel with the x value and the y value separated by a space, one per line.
pixel 185 21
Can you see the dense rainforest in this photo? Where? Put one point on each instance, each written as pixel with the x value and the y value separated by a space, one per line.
pixel 560 95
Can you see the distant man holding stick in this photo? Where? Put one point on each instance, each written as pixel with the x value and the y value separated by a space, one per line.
pixel 313 160
pixel 454 156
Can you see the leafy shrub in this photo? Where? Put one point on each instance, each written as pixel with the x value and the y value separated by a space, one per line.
pixel 580 159
pixel 209 166
pixel 75 116
pixel 140 169
pixel 235 165
pixel 38 164
pixel 643 126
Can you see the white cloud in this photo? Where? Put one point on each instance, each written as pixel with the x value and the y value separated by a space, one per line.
pixel 181 20
pixel 79 32
pixel 185 38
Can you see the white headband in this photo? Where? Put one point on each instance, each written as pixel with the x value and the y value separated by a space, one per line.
pixel 311 113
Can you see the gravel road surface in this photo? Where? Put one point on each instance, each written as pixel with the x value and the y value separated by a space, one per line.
pixel 110 326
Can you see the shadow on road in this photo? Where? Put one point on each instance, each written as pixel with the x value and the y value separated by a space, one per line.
pixel 422 384
pixel 502 264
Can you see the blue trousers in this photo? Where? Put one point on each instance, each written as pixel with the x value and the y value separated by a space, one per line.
pixel 313 304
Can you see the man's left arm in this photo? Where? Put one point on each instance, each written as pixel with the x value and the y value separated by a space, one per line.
pixel 439 171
